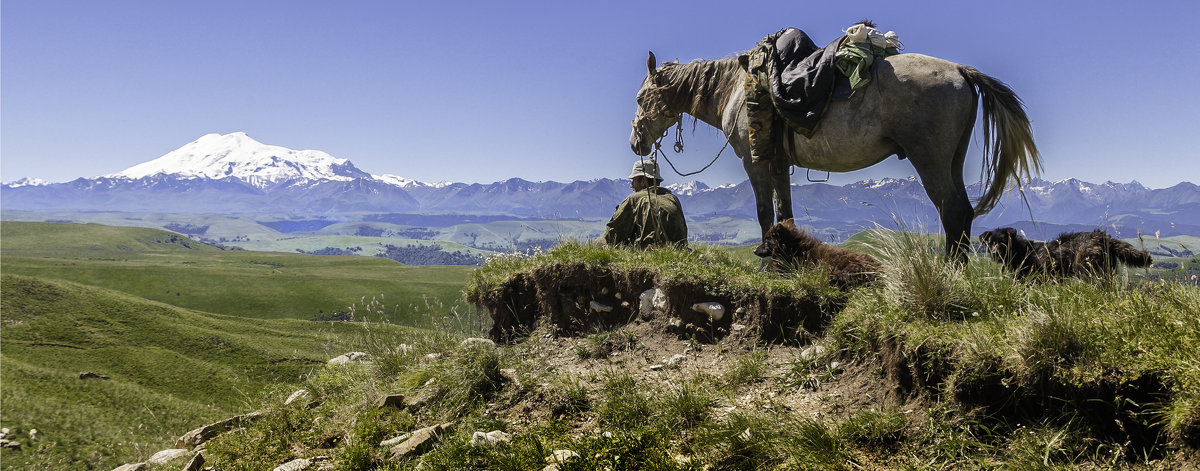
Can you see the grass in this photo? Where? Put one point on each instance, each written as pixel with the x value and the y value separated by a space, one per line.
pixel 171 369
pixel 172 269
pixel 957 330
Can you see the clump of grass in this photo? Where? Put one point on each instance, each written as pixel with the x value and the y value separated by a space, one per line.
pixel 873 427
pixel 687 405
pixel 813 445
pixel 747 369
pixel 568 397
pixel 602 344
pixel 623 405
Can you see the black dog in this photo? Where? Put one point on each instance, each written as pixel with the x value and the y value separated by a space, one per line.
pixel 790 246
pixel 1071 254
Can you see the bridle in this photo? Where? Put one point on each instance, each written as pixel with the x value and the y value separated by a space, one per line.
pixel 660 109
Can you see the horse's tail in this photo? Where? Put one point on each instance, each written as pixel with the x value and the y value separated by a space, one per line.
pixel 1009 151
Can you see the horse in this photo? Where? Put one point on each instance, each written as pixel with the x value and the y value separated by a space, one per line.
pixel 917 107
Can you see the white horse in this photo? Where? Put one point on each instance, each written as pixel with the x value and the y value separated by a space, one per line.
pixel 917 107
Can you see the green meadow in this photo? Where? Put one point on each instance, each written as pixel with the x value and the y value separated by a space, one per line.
pixel 169 268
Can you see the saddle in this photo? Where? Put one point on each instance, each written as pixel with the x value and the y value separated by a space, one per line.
pixel 790 81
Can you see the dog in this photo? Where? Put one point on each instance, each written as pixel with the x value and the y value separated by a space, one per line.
pixel 1070 254
pixel 789 246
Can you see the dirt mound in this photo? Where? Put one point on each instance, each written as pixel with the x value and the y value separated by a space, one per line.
pixel 577 298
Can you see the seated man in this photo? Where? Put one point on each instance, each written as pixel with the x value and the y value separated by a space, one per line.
pixel 651 216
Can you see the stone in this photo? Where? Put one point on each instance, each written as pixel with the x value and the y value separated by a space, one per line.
pixel 166 456
pixel 203 434
pixel 420 441
pixel 812 352
pixel 649 300
pixel 347 358
pixel 714 310
pixel 561 456
pixel 294 465
pixel 33 434
pixel 130 467
pixel 476 342
pixel 391 442
pixel 392 400
pixel 495 437
pixel 599 307
pixel 299 395
pixel 91 375
pixel 676 360
pixel 737 327
pixel 656 367
pixel 9 444
pixel 196 464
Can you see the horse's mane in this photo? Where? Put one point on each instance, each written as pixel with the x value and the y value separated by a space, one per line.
pixel 700 81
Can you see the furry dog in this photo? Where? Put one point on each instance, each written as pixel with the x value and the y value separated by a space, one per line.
pixel 1071 254
pixel 789 246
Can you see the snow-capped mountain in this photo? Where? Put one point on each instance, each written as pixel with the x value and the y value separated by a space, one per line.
pixel 238 156
pixel 233 173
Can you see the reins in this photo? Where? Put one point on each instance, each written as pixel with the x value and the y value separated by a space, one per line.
pixel 679 149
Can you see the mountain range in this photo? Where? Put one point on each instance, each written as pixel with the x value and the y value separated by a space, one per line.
pixel 233 173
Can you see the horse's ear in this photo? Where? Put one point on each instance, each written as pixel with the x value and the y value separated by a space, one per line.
pixel 650 61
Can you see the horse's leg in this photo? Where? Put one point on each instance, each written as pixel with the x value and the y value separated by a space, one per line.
pixel 943 181
pixel 781 184
pixel 761 182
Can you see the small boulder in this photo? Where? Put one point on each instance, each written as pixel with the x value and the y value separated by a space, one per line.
pixel 299 395
pixel 559 457
pixel 714 310
pixel 196 464
pixel 676 360
pixel 297 464
pixel 91 375
pixel 131 467
pixel 495 437
pixel 347 358
pixel 476 342
pixel 166 456
pixel 420 441
pixel 596 306
pixel 9 444
pixel 392 400
pixel 203 434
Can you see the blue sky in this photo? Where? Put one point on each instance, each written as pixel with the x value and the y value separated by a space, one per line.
pixel 485 91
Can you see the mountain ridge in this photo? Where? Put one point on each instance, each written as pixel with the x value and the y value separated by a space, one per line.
pixel 233 173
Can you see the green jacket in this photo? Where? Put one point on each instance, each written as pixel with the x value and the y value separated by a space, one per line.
pixel 651 217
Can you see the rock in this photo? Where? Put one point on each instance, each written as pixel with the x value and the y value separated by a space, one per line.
pixel 651 300
pixel 656 367
pixel 167 455
pixel 392 400
pixel 33 434
pixel 714 310
pixel 4 433
pixel 394 441
pixel 676 360
pixel 299 395
pixel 130 467
pixel 294 465
pixel 420 441
pixel 203 434
pixel 559 457
pixel 196 464
pixel 347 358
pixel 476 342
pixel 495 437
pixel 737 327
pixel 91 375
pixel 598 307
pixel 813 352
pixel 432 356
pixel 9 444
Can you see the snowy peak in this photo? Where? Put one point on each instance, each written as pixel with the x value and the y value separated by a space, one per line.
pixel 239 156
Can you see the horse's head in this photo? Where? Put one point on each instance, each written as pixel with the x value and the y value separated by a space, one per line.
pixel 654 116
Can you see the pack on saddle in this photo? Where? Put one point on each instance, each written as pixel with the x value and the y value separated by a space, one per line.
pixel 790 82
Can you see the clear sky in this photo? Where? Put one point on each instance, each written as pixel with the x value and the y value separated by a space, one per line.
pixel 486 91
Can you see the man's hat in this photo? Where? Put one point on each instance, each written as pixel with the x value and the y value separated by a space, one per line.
pixel 645 168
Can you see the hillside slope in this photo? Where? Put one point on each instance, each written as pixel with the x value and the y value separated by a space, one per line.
pixel 170 369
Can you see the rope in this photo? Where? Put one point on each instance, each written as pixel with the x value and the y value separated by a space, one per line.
pixel 679 149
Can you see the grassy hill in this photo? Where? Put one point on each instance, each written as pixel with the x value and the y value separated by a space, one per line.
pixel 171 369
pixel 166 267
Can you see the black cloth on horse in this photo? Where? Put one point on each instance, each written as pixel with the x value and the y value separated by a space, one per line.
pixel 804 79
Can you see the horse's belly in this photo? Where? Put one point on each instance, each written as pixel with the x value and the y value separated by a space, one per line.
pixel 854 151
